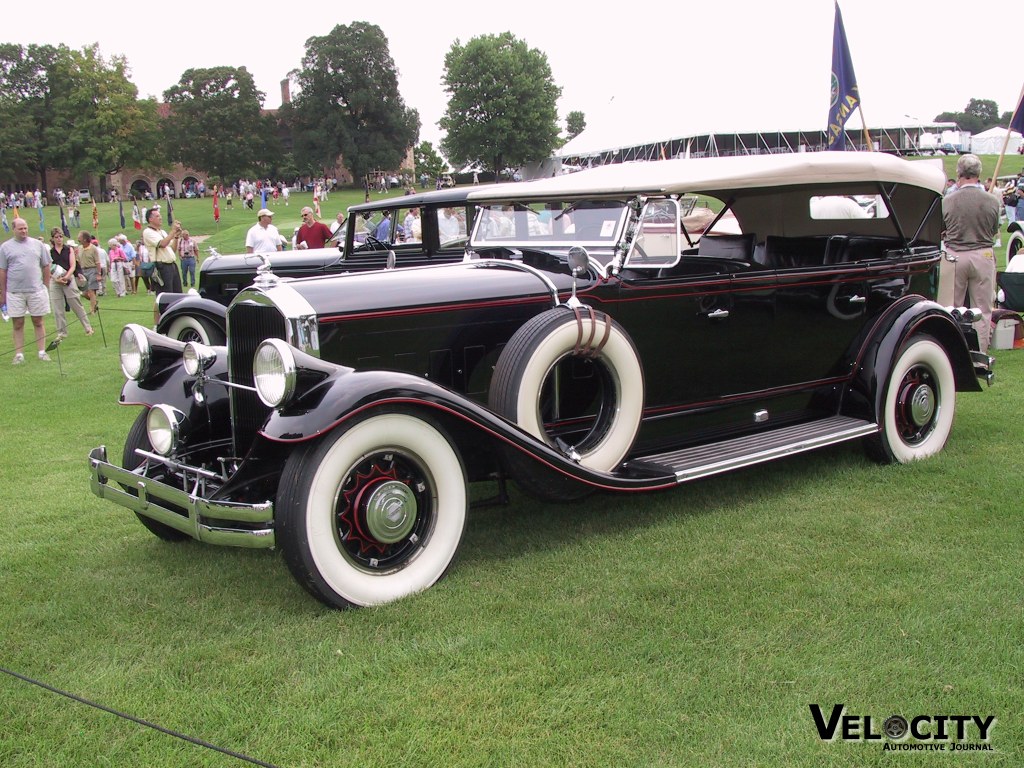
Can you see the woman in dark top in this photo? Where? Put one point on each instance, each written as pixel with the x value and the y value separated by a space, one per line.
pixel 63 285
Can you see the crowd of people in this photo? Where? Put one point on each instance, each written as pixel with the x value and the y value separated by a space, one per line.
pixel 37 278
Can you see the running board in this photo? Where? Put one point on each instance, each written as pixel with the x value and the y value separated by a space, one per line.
pixel 712 459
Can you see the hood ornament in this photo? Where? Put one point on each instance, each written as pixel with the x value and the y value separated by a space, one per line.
pixel 264 277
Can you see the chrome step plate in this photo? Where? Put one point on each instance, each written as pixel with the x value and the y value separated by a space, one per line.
pixel 714 458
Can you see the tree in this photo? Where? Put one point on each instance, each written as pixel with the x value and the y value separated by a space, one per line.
pixel 427 160
pixel 984 110
pixel 501 108
pixel 348 104
pixel 575 124
pixel 22 90
pixel 101 125
pixel 62 108
pixel 979 115
pixel 216 124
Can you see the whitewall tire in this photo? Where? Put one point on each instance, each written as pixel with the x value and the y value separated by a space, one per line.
pixel 918 404
pixel 189 328
pixel 373 512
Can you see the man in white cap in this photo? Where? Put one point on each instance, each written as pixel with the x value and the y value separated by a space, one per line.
pixel 263 236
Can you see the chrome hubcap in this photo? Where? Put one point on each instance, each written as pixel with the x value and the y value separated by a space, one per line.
pixel 922 405
pixel 391 512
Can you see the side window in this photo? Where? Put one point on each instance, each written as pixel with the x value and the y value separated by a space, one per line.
pixel 408 225
pixel 379 230
pixel 657 239
pixel 451 226
pixel 497 222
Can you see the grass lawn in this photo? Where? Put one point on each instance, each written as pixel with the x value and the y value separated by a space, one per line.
pixel 688 628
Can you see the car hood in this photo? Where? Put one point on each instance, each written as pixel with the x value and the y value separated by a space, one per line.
pixel 428 288
pixel 314 258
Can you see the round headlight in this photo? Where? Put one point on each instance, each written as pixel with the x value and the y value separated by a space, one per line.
pixel 197 358
pixel 273 368
pixel 135 352
pixel 162 428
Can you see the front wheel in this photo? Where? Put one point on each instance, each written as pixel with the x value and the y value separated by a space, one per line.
pixel 373 512
pixel 198 329
pixel 918 406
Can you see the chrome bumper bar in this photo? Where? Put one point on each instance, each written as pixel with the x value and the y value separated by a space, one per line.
pixel 257 533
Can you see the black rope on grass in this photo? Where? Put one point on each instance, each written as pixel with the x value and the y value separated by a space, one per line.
pixel 51 339
pixel 139 720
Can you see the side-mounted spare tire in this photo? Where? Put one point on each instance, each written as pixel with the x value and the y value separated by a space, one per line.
pixel 571 378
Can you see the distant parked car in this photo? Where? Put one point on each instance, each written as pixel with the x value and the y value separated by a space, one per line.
pixel 84 196
pixel 203 318
pixel 593 339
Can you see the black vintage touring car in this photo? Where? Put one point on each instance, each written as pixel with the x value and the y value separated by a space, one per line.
pixel 592 340
pixel 440 237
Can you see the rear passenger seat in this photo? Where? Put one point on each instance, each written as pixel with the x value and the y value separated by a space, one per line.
pixel 736 247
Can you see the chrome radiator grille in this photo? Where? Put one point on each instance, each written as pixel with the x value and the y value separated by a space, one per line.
pixel 249 323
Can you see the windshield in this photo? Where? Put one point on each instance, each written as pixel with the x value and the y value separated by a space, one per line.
pixel 593 223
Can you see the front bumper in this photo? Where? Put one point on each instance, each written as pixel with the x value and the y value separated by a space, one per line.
pixel 215 522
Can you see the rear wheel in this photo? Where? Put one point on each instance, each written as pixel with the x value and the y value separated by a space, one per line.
pixel 198 329
pixel 373 512
pixel 138 437
pixel 918 406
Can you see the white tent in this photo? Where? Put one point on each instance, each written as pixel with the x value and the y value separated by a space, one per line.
pixel 991 142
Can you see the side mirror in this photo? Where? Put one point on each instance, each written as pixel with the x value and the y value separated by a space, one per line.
pixel 578 259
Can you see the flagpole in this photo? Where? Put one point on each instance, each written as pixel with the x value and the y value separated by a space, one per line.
pixel 864 127
pixel 1006 141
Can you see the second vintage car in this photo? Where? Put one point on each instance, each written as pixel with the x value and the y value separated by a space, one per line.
pixel 443 221
pixel 594 339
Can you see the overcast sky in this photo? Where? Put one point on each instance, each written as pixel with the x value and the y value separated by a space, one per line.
pixel 685 67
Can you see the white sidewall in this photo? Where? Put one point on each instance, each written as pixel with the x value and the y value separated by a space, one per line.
pixel 184 322
pixel 410 436
pixel 929 353
pixel 620 358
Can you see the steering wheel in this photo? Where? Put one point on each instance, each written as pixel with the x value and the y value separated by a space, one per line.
pixel 373 241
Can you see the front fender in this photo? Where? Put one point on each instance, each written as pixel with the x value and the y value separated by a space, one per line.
pixel 346 391
pixel 349 394
pixel 194 306
pixel 173 386
pixel 878 354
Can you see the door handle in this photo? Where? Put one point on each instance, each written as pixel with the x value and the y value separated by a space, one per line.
pixel 855 299
pixel 718 314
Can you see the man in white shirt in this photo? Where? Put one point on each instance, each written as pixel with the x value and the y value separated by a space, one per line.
pixel 263 236
pixel 448 225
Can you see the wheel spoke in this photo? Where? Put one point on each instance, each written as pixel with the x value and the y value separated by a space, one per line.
pixel 383 510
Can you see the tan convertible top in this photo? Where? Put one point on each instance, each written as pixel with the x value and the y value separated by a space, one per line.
pixel 723 173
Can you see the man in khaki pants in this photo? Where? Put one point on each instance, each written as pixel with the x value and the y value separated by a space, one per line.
pixel 971 216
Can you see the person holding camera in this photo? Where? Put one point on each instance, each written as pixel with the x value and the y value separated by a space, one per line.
pixel 162 247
